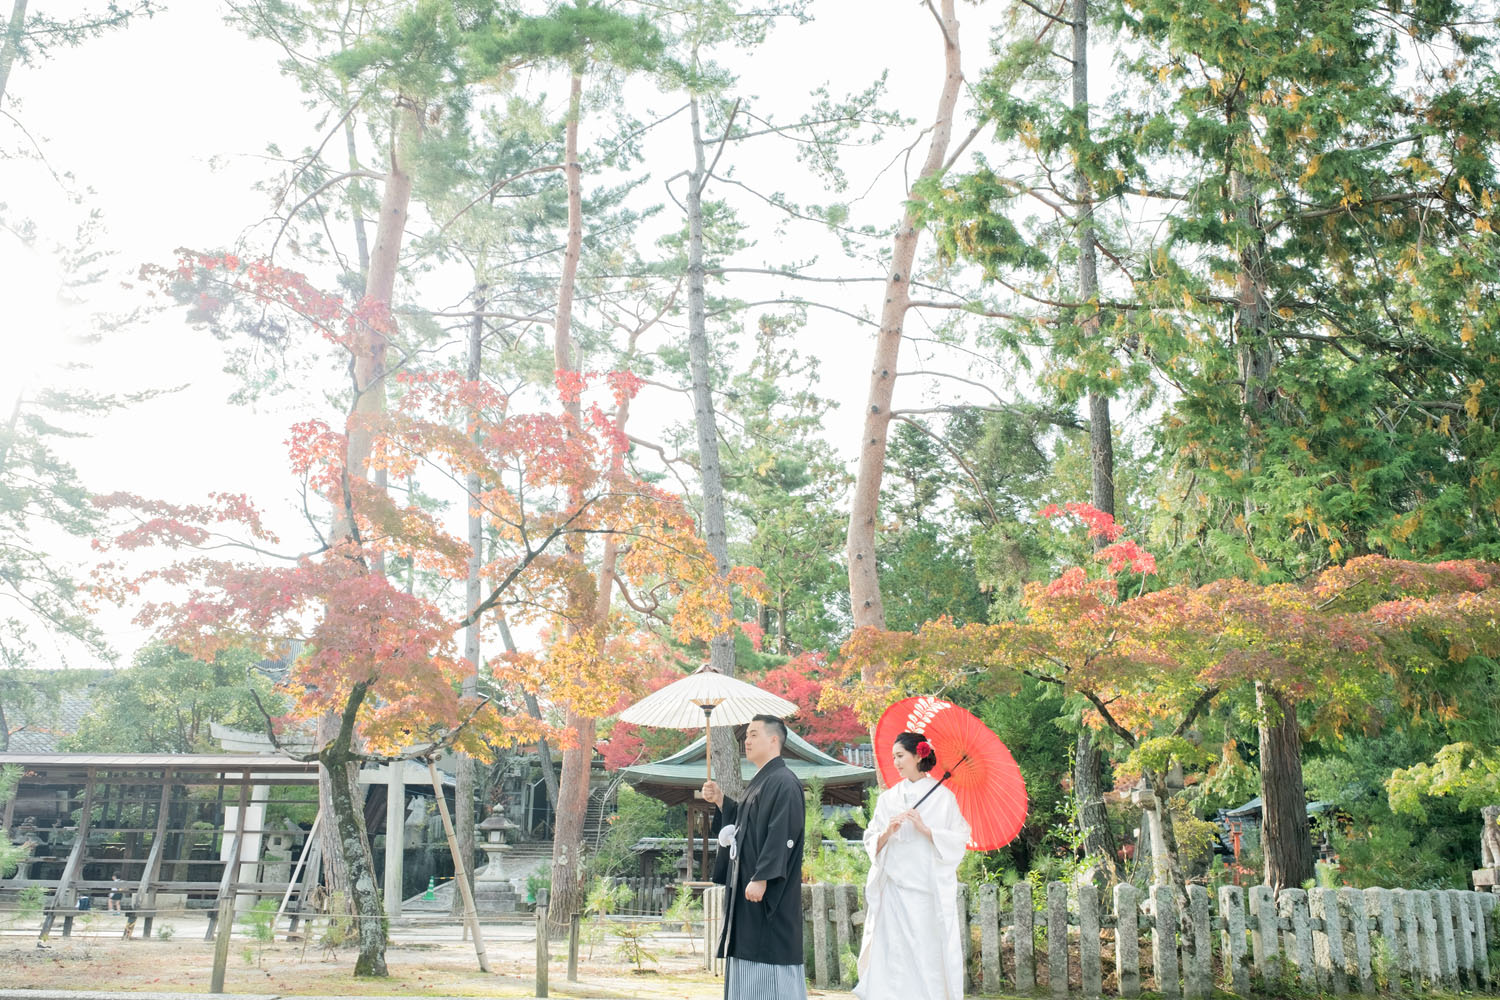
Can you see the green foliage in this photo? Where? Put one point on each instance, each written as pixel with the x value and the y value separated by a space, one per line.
pixel 572 35
pixel 604 897
pixel 638 816
pixel 1229 783
pixel 166 701
pixel 1034 724
pixel 29 904
pixel 686 910
pixel 1157 755
pixel 1378 844
pixel 10 854
pixel 165 932
pixel 1465 772
pixel 784 489
pixel 259 923
pixel 1195 838
pixel 839 863
pixel 632 947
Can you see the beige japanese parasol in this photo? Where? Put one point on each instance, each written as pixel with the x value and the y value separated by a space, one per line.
pixel 702 698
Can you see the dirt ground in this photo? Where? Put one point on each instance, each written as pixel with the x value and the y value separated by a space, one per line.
pixel 421 962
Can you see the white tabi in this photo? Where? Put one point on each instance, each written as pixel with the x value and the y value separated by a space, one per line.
pixel 911 948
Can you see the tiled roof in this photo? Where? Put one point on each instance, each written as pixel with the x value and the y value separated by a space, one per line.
pixel 42 727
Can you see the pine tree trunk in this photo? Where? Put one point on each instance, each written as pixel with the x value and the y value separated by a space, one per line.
pixel 589 608
pixel 567 834
pixel 1285 837
pixel 348 854
pixel 864 581
pixel 1088 763
pixel 15 30
pixel 533 709
pixel 724 753
pixel 463 792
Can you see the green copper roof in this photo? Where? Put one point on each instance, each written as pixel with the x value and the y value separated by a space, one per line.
pixel 685 768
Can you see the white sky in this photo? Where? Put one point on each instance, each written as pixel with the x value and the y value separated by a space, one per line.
pixel 165 124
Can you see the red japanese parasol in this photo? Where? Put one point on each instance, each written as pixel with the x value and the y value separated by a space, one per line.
pixel 971 760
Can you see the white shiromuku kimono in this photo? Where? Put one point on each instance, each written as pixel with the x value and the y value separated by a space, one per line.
pixel 911 948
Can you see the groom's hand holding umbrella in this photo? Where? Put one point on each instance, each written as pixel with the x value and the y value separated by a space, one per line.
pixel 714 795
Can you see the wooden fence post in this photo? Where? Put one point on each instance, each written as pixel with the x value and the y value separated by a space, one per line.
pixel 1164 941
pixel 1091 967
pixel 1023 917
pixel 965 937
pixel 542 955
pixel 574 926
pixel 1236 961
pixel 1291 904
pixel 713 916
pixel 225 930
pixel 1127 940
pixel 989 937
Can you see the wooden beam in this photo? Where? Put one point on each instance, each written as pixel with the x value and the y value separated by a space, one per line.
pixel 461 872
pixel 297 871
pixel 60 899
pixel 145 896
pixel 231 865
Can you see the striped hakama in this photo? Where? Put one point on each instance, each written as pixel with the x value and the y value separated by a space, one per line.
pixel 759 981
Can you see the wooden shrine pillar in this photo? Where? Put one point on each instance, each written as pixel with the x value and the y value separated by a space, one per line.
pixel 61 903
pixel 145 895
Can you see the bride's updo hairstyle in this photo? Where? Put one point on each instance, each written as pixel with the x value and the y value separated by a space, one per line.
pixel 916 744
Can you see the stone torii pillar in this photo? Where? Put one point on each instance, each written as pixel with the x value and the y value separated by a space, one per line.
pixel 395 835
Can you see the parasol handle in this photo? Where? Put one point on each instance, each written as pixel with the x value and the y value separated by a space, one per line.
pixel 946 775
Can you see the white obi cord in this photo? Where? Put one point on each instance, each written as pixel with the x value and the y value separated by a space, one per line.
pixel 727 839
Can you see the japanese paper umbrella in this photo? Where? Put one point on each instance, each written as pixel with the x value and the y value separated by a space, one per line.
pixel 971 761
pixel 703 698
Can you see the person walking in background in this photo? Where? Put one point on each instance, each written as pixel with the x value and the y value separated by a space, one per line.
pixel 911 948
pixel 760 864
pixel 115 892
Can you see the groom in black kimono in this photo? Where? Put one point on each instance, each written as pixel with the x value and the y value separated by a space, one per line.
pixel 760 863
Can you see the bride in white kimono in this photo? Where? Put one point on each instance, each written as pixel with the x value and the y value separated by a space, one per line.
pixel 911 948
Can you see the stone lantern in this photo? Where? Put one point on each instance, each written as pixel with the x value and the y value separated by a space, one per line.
pixel 493 893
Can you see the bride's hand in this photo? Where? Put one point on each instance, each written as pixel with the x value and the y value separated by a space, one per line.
pixel 915 819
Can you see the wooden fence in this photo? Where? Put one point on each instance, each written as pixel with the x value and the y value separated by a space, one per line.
pixel 1337 941
pixel 650 895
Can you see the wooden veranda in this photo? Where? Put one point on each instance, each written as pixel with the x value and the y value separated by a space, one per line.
pixel 185 825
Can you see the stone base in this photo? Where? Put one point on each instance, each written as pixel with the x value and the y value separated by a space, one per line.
pixel 1487 878
pixel 494 897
